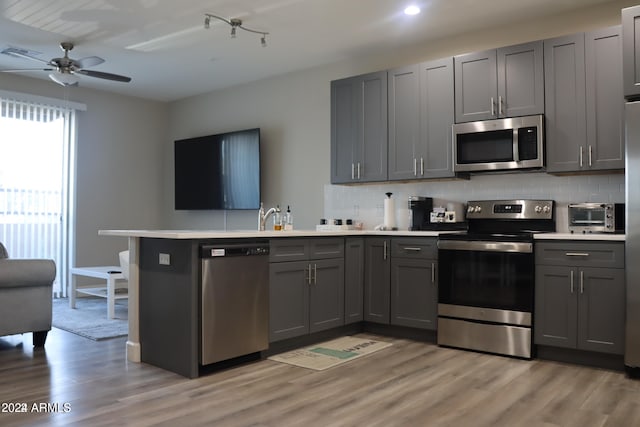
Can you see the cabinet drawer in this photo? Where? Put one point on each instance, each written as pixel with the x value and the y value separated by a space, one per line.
pixel 292 249
pixel 580 254
pixel 323 248
pixel 288 249
pixel 421 247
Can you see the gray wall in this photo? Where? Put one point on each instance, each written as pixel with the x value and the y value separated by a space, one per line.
pixel 118 168
pixel 293 112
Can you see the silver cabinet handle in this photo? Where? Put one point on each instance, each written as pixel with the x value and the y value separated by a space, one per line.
pixel 353 171
pixel 309 277
pixel 421 166
pixel 412 249
pixel 433 272
pixel 315 274
pixel 493 107
pixel 580 156
pixel 590 155
pixel 571 281
pixel 384 251
pixel 415 166
pixel 580 254
pixel 581 282
pixel 500 112
pixel 358 170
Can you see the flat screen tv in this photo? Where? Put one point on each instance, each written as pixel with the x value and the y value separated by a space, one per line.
pixel 218 172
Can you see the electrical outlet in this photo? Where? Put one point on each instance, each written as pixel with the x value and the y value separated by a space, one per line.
pixel 165 259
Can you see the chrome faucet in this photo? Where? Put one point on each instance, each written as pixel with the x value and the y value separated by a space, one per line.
pixel 263 216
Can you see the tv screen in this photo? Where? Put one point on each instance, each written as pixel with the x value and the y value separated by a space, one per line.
pixel 218 171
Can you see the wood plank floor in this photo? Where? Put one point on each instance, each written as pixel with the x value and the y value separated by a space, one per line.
pixel 408 384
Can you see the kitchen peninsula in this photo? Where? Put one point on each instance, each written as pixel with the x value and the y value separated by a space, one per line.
pixel 135 237
pixel 181 247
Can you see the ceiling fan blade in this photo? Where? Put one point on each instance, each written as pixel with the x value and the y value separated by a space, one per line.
pixel 21 70
pixel 101 75
pixel 89 61
pixel 21 53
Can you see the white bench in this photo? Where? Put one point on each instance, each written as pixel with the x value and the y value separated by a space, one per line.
pixel 109 273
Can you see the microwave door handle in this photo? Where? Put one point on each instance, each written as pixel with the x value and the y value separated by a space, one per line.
pixel 516 153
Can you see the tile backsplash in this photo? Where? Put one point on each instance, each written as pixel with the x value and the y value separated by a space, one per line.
pixel 365 203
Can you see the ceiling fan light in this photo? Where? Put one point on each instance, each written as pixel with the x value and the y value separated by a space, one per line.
pixel 64 79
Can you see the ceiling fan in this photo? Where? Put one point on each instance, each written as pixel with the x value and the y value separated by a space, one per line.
pixel 65 70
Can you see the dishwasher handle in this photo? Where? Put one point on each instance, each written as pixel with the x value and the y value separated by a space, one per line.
pixel 227 250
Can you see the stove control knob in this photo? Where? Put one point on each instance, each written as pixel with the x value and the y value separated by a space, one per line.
pixel 546 209
pixel 471 209
pixel 478 209
pixel 538 209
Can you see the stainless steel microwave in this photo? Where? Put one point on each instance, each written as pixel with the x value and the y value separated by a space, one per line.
pixel 501 144
pixel 596 218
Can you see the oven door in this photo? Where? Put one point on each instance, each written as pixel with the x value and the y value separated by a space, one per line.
pixel 488 275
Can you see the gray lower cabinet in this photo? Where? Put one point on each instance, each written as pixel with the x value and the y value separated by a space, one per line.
pixel 414 284
pixel 496 83
pixel 306 286
pixel 579 306
pixel 377 276
pixel 631 51
pixel 353 280
pixel 359 129
pixel 421 112
pixel 583 102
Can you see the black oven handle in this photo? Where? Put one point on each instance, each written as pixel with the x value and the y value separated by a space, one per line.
pixel 487 246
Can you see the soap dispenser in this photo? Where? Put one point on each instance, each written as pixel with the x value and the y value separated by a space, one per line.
pixel 288 219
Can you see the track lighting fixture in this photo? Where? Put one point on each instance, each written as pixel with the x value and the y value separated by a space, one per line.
pixel 235 23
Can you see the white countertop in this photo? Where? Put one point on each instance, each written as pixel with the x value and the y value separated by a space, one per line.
pixel 580 236
pixel 244 234
pixel 238 234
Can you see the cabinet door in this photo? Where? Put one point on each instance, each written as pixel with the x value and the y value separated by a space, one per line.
pixel 404 125
pixel 359 128
pixel 354 280
pixel 414 293
pixel 556 306
pixel 631 51
pixel 605 103
pixel 326 294
pixel 345 104
pixel 476 84
pixel 520 80
pixel 372 151
pixel 601 310
pixel 436 118
pixel 288 300
pixel 377 280
pixel 565 99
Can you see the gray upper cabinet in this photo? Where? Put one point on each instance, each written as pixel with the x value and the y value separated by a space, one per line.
pixel 505 82
pixel 359 129
pixel 421 112
pixel 583 102
pixel 631 51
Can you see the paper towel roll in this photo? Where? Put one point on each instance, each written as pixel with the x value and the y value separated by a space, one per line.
pixel 389 213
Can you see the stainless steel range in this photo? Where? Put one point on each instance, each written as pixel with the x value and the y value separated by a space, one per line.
pixel 486 277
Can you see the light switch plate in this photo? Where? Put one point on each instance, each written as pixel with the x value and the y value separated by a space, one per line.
pixel 164 259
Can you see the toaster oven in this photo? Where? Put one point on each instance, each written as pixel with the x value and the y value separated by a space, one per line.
pixel 596 218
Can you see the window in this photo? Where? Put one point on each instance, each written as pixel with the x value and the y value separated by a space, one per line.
pixel 36 142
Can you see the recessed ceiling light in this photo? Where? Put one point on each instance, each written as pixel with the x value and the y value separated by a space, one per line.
pixel 412 10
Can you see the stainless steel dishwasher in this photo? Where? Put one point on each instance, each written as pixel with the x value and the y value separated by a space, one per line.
pixel 235 300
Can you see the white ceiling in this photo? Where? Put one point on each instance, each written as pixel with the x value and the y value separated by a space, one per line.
pixel 163 46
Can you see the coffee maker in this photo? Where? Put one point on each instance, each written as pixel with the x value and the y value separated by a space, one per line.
pixel 420 208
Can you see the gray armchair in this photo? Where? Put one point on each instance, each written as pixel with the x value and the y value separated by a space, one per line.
pixel 25 296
